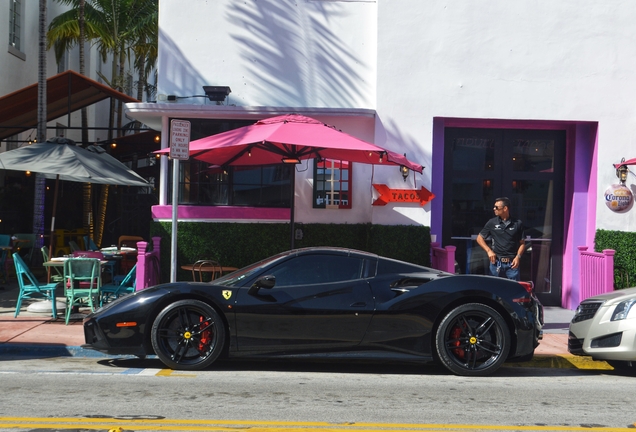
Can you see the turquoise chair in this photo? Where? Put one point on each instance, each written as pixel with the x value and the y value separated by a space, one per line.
pixel 58 276
pixel 119 287
pixel 82 282
pixel 89 244
pixel 30 287
pixel 74 246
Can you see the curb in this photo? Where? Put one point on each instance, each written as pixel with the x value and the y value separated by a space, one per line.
pixel 43 351
pixel 568 361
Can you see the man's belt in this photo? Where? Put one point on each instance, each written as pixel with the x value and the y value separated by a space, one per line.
pixel 506 259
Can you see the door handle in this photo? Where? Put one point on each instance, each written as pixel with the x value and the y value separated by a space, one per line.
pixel 358 304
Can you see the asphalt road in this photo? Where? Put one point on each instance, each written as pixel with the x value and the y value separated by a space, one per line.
pixel 101 394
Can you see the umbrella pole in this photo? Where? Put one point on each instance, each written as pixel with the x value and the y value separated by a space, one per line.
pixel 293 198
pixel 51 252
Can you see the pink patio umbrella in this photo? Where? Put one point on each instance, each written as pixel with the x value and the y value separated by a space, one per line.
pixel 289 139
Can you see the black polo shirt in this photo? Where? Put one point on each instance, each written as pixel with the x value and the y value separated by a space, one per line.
pixel 505 236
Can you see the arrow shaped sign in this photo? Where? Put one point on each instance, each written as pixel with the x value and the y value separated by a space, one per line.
pixel 388 195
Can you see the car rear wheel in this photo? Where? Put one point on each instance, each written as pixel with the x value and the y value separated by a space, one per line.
pixel 188 335
pixel 472 340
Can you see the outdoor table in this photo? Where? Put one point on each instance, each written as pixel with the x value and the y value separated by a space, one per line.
pixel 116 252
pixel 208 268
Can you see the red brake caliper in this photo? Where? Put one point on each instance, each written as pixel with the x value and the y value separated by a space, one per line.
pixel 205 335
pixel 455 334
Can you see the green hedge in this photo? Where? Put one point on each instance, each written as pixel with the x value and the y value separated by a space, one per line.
pixel 240 244
pixel 624 243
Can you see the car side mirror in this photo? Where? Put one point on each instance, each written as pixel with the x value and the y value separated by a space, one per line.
pixel 266 282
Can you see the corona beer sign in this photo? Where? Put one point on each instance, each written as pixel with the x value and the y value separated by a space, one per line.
pixel 618 198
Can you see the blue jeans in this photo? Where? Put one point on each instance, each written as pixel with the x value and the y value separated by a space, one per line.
pixel 504 270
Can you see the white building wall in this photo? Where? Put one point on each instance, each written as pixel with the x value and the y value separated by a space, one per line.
pixel 283 54
pixel 271 53
pixel 572 60
pixel 542 60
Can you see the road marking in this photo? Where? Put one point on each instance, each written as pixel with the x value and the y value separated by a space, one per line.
pixel 155 424
pixel 171 373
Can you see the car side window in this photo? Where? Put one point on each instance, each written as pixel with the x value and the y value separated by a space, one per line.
pixel 317 269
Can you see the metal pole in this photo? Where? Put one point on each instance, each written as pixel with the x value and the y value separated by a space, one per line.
pixel 175 207
pixel 293 199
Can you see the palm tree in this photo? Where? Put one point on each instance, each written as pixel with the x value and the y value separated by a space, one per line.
pixel 119 28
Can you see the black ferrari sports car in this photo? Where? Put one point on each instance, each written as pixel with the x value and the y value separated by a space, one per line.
pixel 340 302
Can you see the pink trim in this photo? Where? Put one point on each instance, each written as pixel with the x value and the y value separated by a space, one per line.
pixel 145 276
pixel 443 258
pixel 215 213
pixel 597 272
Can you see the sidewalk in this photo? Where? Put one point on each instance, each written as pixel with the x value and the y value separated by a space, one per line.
pixel 38 334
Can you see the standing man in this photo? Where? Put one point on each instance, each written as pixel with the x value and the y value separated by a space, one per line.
pixel 506 237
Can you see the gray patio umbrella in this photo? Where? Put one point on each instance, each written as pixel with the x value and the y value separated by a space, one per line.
pixel 61 159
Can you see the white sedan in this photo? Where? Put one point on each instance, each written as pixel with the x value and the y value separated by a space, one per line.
pixel 604 327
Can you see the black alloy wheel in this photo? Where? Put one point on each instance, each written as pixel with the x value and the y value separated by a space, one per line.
pixel 472 340
pixel 188 335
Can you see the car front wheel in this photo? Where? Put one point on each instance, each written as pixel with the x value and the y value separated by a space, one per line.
pixel 188 335
pixel 472 340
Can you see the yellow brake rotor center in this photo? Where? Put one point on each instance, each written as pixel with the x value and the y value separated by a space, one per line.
pixel 473 340
pixel 187 335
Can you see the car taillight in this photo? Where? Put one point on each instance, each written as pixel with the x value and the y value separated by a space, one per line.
pixel 529 286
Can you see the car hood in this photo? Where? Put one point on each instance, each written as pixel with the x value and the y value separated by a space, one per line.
pixel 616 296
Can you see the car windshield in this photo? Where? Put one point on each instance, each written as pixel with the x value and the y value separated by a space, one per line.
pixel 237 277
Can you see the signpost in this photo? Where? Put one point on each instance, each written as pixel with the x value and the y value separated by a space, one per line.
pixel 179 139
pixel 179 150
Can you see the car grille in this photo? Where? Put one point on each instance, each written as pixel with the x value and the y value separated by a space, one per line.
pixel 586 311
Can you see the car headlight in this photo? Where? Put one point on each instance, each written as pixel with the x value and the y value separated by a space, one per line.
pixel 622 309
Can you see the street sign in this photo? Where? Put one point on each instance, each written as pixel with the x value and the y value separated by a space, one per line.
pixel 179 139
pixel 388 195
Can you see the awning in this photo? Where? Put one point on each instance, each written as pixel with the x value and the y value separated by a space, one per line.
pixel 66 92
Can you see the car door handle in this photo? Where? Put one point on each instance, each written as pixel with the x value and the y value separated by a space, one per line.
pixel 358 304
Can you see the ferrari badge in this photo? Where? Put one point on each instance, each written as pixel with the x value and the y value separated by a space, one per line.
pixel 227 294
